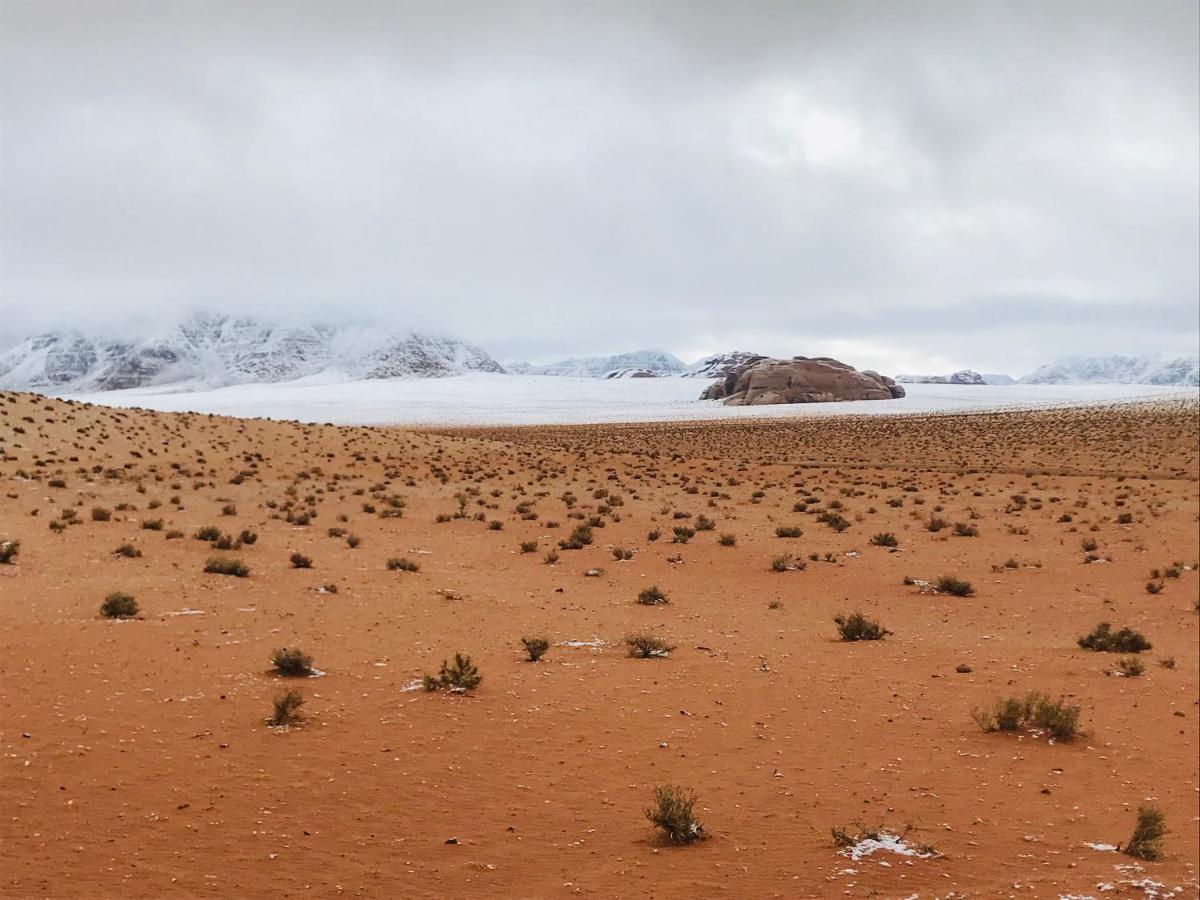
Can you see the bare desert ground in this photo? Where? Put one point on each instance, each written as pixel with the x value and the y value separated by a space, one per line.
pixel 137 760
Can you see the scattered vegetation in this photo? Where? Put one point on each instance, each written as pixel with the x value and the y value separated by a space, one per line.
pixel 1104 640
pixel 672 813
pixel 647 646
pixel 857 627
pixel 535 647
pixel 118 605
pixel 218 565
pixel 287 709
pixel 948 584
pixel 1148 834
pixel 1033 712
pixel 294 663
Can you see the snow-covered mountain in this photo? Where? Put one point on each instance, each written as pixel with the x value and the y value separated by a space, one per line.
pixel 721 364
pixel 963 376
pixel 1181 370
pixel 653 362
pixel 996 378
pixel 210 350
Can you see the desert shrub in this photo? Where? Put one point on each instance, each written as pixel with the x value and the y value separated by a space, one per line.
pixel 1125 518
pixel 118 606
pixel 529 546
pixel 551 557
pixel 100 514
pixel 353 540
pixel 704 523
pixel 1154 587
pixel 1104 640
pixel 300 561
pixel 647 646
pixel 788 531
pixel 935 524
pixel 294 663
pixel 1088 545
pixel 8 551
pixel 652 596
pixel 1035 711
pixel 287 709
pixel 672 813
pixel 402 564
pixel 834 521
pixel 775 604
pixel 459 676
pixel 727 540
pixel 683 534
pixel 218 565
pixel 229 510
pixel 948 584
pixel 653 535
pixel 173 535
pixel 885 539
pixel 1146 842
pixel 128 551
pixel 248 537
pixel 1130 666
pixel 785 562
pixel 535 647
pixel 622 553
pixel 208 533
pixel 857 627
pixel 152 524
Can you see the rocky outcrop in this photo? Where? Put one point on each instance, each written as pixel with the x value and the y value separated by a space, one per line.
pixel 721 364
pixel 799 380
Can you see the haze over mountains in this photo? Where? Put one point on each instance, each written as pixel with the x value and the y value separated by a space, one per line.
pixel 214 350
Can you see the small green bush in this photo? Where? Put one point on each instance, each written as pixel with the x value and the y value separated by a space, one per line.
pixel 459 676
pixel 948 584
pixel 119 606
pixel 652 596
pixel 217 565
pixel 858 627
pixel 535 647
pixel 1148 833
pixel 1104 640
pixel 647 646
pixel 1035 711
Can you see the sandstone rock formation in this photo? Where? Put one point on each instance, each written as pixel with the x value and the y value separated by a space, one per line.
pixel 799 380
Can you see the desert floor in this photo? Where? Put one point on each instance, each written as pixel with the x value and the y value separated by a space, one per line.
pixel 137 760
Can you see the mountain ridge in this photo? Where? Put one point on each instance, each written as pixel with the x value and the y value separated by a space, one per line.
pixel 213 350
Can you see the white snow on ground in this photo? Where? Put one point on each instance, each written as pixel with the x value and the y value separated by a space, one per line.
pixel 487 399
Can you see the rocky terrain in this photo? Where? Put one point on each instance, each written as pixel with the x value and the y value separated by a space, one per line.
pixel 799 380
pixel 1151 369
pixel 721 365
pixel 210 350
pixel 153 565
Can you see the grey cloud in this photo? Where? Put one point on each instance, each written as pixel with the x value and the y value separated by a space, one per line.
pixel 986 184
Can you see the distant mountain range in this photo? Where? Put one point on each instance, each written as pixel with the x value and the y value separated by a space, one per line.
pixel 1158 369
pixel 643 362
pixel 209 350
pixel 964 376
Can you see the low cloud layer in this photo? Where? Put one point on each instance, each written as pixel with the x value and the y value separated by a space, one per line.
pixel 910 186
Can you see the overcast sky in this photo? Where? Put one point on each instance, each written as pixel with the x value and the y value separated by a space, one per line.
pixel 905 185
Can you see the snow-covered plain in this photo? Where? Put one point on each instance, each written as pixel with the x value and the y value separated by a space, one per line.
pixel 486 399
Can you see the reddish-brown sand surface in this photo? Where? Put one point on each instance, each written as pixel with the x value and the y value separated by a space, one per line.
pixel 137 761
